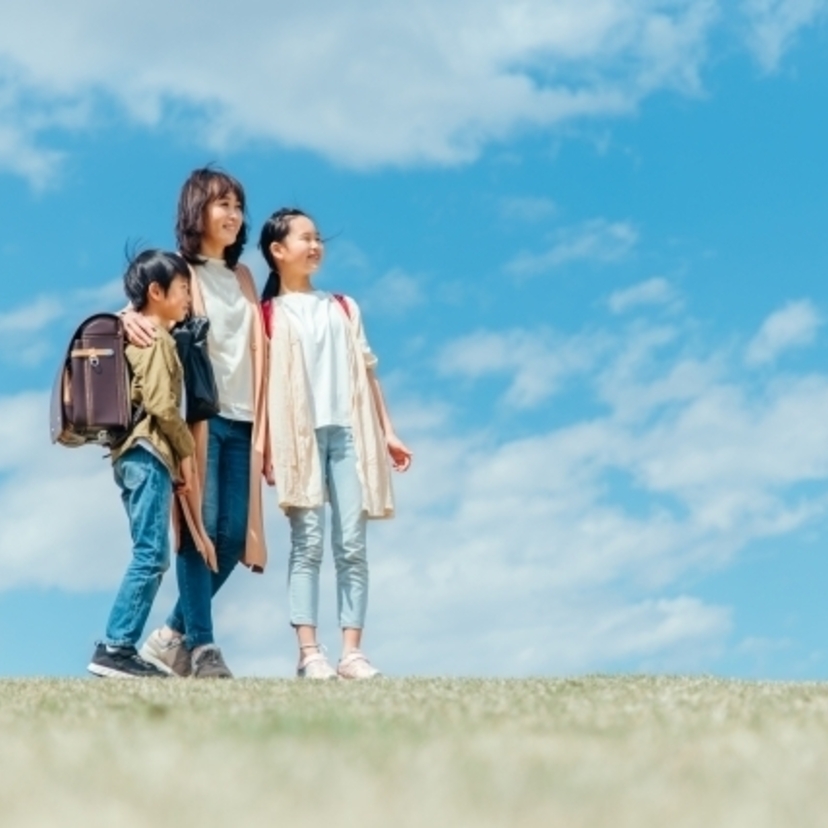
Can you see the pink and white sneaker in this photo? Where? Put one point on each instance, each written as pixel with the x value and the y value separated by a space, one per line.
pixel 315 666
pixel 356 666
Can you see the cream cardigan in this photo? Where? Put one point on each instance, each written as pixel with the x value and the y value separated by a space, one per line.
pixel 292 439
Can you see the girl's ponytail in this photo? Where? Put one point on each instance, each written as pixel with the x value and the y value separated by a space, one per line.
pixel 275 230
pixel 272 286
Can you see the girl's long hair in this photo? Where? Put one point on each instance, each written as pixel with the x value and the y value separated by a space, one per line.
pixel 276 229
pixel 204 186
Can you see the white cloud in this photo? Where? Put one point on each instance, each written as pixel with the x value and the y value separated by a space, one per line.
pixel 652 292
pixel 560 550
pixel 61 523
pixel 537 362
pixel 528 208
pixel 775 24
pixel 362 84
pixel 32 317
pixel 394 293
pixel 793 326
pixel 39 316
pixel 597 240
pixel 109 295
pixel 20 154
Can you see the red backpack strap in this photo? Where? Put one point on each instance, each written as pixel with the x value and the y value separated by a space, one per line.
pixel 344 302
pixel 267 316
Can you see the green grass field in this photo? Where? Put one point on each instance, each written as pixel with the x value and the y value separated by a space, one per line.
pixel 622 752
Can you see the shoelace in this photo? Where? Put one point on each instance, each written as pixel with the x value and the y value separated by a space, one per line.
pixel 143 663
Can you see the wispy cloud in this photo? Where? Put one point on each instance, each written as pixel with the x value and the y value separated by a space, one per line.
pixel 598 240
pixel 42 314
pixel 538 362
pixel 395 293
pixel 775 24
pixel 31 317
pixel 528 208
pixel 794 326
pixel 369 85
pixel 655 291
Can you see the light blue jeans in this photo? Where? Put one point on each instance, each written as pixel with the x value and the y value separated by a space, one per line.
pixel 337 457
pixel 146 492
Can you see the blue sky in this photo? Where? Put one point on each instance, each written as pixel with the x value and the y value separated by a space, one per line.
pixel 589 241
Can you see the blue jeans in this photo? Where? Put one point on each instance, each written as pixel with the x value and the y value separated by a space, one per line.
pixel 146 492
pixel 226 501
pixel 338 460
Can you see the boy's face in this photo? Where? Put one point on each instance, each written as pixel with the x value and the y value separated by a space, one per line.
pixel 174 305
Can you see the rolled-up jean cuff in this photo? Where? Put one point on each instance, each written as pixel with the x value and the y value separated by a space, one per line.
pixel 191 642
pixel 123 645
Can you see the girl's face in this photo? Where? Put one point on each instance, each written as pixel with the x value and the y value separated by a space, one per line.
pixel 301 251
pixel 222 222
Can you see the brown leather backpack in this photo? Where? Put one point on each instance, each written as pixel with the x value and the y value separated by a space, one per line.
pixel 91 401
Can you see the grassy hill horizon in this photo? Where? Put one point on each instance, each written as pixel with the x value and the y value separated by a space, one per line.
pixel 587 752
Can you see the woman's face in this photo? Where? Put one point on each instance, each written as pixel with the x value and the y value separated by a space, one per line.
pixel 223 220
pixel 301 250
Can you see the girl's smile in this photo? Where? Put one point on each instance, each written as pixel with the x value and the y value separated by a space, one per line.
pixel 300 253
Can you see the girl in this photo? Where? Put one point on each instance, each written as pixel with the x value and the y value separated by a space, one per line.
pixel 230 448
pixel 329 431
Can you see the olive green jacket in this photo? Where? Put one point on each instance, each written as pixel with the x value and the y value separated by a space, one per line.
pixel 157 385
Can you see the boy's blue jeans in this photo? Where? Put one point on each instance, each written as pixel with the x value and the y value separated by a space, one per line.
pixel 146 492
pixel 225 508
pixel 337 457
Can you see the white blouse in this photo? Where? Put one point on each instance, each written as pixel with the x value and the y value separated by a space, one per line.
pixel 228 339
pixel 321 325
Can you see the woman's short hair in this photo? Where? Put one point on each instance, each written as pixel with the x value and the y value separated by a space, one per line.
pixel 204 186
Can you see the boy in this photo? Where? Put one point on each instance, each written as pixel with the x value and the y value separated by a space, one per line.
pixel 150 462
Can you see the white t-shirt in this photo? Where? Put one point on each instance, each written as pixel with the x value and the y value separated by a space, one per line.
pixel 228 339
pixel 321 325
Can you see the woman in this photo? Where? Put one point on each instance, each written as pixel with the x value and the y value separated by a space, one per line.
pixel 231 447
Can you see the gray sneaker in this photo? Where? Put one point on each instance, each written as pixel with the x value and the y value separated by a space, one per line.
pixel 168 655
pixel 209 663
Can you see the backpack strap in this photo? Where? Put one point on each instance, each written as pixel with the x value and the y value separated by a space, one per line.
pixel 267 317
pixel 344 303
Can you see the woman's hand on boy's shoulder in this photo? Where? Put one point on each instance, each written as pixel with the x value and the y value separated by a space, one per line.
pixel 140 331
pixel 401 455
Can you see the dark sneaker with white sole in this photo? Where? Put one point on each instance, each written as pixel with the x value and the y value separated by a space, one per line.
pixel 121 662
pixel 208 662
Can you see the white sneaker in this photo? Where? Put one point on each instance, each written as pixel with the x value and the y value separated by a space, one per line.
pixel 167 654
pixel 315 666
pixel 356 666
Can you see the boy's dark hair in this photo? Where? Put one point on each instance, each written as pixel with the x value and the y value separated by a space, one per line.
pixel 275 229
pixel 202 187
pixel 152 266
